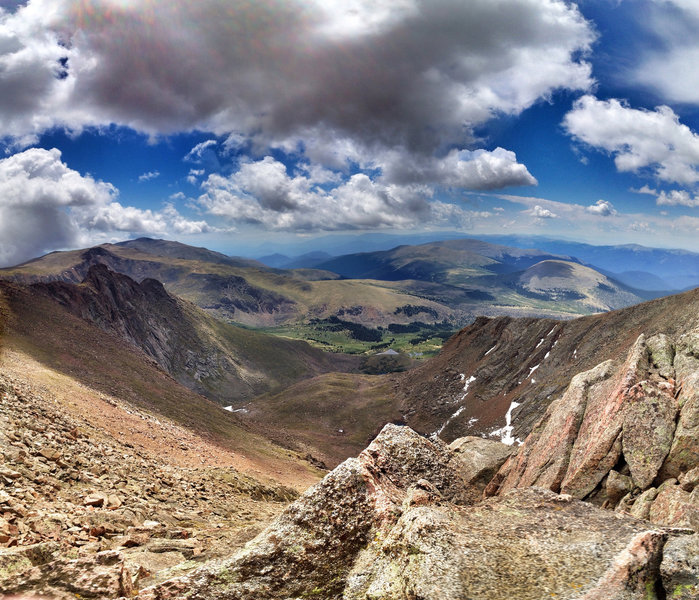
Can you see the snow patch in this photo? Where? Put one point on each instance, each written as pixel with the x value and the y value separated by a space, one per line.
pixel 489 351
pixel 547 355
pixel 534 368
pixel 472 421
pixel 469 381
pixel 541 341
pixel 449 420
pixel 505 432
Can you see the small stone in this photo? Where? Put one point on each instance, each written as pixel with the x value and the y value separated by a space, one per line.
pixel 114 501
pixel 617 486
pixel 9 473
pixel 50 453
pixel 94 500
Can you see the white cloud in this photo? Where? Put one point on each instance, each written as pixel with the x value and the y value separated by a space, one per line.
pixel 539 212
pixel 602 208
pixel 677 198
pixel 149 176
pixel 477 170
pixel 193 176
pixel 263 192
pixel 638 139
pixel 45 205
pixel 196 153
pixel 670 67
pixel 576 222
pixel 647 190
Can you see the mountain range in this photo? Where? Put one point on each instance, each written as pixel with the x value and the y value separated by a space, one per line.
pixel 409 298
pixel 531 456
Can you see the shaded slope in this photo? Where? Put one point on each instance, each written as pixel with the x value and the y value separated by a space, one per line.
pixel 88 365
pixel 226 363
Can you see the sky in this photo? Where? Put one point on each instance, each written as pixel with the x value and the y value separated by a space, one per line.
pixel 233 124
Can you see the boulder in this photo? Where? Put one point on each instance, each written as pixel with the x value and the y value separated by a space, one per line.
pixel 476 460
pixel 648 428
pixel 674 507
pixel 679 568
pixel 641 507
pixel 529 544
pixel 387 526
pixel 100 576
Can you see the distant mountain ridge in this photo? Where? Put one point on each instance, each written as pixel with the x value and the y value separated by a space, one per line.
pixel 673 269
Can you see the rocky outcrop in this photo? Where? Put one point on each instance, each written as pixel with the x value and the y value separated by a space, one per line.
pixel 532 362
pixel 146 316
pixel 624 436
pixel 396 523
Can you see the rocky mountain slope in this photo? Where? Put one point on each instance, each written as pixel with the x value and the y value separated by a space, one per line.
pixel 442 283
pixel 406 519
pixel 223 362
pixel 600 501
pixel 498 376
pixel 238 290
pixel 402 521
pixel 626 436
pixel 71 490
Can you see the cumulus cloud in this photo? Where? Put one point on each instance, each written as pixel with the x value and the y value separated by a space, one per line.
pixel 264 192
pixel 602 208
pixel 394 74
pixel 44 205
pixel 645 189
pixel 477 170
pixel 148 176
pixel 677 198
pixel 539 212
pixel 638 139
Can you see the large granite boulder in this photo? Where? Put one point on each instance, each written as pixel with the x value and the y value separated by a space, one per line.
pixel 392 524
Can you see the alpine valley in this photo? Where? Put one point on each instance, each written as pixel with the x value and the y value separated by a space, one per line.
pixel 461 419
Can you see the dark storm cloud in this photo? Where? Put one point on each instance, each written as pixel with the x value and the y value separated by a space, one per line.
pixel 416 75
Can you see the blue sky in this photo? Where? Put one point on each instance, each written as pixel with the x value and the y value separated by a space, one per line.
pixel 234 124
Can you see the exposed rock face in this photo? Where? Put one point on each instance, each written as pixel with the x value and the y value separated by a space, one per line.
pixel 680 567
pixel 218 360
pixel 392 524
pixel 528 545
pixel 622 436
pixel 532 362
